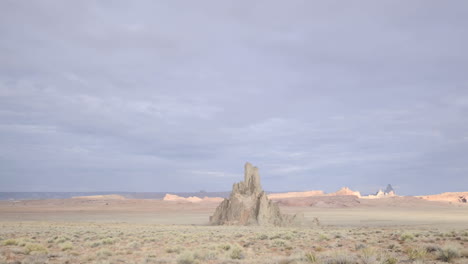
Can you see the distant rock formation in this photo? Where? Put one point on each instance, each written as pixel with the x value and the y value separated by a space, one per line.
pixel 192 199
pixel 389 189
pixel 389 192
pixel 454 197
pixel 276 196
pixel 345 191
pixel 249 205
pixel 101 197
pixel 326 201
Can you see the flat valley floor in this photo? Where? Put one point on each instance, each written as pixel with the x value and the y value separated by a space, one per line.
pixel 155 231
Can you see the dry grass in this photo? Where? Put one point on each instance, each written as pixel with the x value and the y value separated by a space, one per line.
pixel 36 242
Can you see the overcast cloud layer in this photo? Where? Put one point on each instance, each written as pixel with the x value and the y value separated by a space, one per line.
pixel 178 95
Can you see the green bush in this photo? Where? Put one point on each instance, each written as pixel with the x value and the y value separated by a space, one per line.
pixel 237 253
pixel 225 247
pixel 35 248
pixel 10 242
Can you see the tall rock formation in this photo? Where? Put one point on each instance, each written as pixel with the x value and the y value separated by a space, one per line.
pixel 389 189
pixel 248 204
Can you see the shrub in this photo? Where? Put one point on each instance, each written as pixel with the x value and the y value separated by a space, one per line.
pixel 104 253
pixel 339 258
pixel 279 243
pixel 448 253
pixel 432 248
pixel 206 255
pixel 94 244
pixel 34 247
pixel 134 245
pixel 406 236
pixel 416 253
pixel 390 260
pixel 108 241
pixel 176 250
pixel 61 239
pixel 322 237
pixel 225 247
pixel 237 253
pixel 359 246
pixel 10 242
pixel 22 242
pixel 186 258
pixel 66 246
pixel 310 257
pixel 369 256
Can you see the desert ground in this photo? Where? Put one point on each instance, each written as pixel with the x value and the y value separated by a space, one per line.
pixel 349 230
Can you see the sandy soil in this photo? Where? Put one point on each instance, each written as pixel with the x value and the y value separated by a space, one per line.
pixel 333 210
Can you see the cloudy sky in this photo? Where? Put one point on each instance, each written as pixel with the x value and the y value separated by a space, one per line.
pixel 178 95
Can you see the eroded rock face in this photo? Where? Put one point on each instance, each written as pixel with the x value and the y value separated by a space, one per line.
pixel 249 205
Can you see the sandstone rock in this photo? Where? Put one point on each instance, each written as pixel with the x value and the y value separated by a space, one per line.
pixel 192 199
pixel 249 205
pixel 277 196
pixel 345 191
pixel 455 197
pixel 175 198
pixel 101 197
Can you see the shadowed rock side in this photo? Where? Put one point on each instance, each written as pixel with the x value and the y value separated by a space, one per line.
pixel 249 205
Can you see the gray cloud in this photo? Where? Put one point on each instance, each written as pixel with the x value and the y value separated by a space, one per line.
pixel 154 96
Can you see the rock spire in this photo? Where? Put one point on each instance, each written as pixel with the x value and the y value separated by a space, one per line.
pixel 248 204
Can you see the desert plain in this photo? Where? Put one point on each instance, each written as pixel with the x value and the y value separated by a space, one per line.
pixel 340 229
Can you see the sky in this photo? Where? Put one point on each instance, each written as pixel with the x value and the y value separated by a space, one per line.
pixel 155 96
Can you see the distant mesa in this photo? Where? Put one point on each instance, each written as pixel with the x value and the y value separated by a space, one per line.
pixel 192 199
pixel 276 196
pixel 101 197
pixel 453 197
pixel 249 205
pixel 345 191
